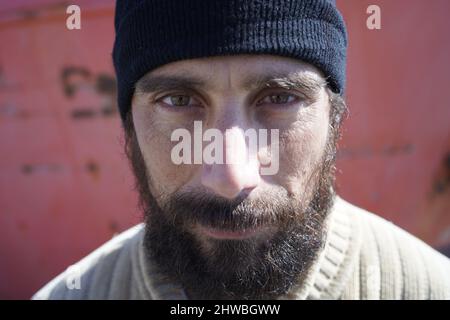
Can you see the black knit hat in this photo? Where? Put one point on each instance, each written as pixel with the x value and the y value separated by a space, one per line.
pixel 151 33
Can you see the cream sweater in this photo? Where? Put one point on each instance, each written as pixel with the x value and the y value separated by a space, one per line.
pixel 365 257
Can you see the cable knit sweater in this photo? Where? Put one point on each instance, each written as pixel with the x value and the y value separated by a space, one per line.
pixel 365 257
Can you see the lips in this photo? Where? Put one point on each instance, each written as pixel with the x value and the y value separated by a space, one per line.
pixel 222 234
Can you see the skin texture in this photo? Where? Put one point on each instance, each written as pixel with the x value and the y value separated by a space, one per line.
pixel 226 230
pixel 303 128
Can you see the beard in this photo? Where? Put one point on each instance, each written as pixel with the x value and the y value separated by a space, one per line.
pixel 235 269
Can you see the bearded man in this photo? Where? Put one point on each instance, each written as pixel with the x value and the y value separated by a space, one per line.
pixel 225 230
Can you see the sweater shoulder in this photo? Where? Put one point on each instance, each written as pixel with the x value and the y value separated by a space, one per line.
pixel 394 264
pixel 106 273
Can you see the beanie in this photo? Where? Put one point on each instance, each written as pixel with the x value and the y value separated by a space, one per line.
pixel 151 33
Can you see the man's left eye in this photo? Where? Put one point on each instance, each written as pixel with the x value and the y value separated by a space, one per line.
pixel 279 98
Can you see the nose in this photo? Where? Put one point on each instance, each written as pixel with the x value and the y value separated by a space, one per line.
pixel 240 168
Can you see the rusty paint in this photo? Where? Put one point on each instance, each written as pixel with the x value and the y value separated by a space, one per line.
pixel 83 113
pixel 93 169
pixel 114 227
pixel 106 84
pixel 87 113
pixel 390 163
pixel 73 78
pixel 44 168
pixel 109 110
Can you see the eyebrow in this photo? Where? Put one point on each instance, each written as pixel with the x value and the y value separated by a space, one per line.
pixel 309 83
pixel 152 83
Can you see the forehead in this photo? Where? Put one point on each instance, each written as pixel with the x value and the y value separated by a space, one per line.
pixel 239 71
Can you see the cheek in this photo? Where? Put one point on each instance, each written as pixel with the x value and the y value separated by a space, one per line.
pixel 156 146
pixel 302 147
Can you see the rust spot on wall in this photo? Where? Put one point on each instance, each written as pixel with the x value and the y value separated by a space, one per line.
pixel 75 78
pixel 114 227
pixel 72 78
pixel 105 84
pixel 42 168
pixel 83 113
pixel 93 169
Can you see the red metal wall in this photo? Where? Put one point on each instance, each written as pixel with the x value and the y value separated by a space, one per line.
pixel 65 186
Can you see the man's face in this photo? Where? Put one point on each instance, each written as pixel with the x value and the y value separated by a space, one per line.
pixel 226 229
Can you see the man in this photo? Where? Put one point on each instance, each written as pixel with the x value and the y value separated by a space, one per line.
pixel 224 229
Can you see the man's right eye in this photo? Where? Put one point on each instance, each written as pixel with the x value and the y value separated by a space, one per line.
pixel 179 100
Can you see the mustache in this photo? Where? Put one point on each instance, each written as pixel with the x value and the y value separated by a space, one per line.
pixel 189 208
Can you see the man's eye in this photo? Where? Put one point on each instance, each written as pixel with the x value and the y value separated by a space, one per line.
pixel 179 100
pixel 279 98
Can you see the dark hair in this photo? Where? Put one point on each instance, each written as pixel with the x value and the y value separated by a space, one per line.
pixel 338 112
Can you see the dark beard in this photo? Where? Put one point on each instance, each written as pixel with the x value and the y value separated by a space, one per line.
pixel 235 269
